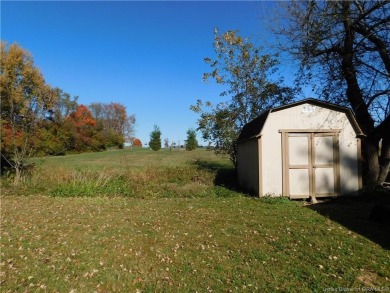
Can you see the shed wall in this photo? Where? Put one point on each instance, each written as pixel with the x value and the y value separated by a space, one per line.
pixel 306 117
pixel 248 165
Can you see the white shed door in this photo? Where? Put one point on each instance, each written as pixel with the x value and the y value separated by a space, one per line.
pixel 311 164
pixel 299 175
pixel 323 165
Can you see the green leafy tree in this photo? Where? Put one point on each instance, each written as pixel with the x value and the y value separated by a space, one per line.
pixel 343 50
pixel 245 73
pixel 50 139
pixel 191 142
pixel 25 101
pixel 53 135
pixel 155 139
pixel 63 106
pixel 115 125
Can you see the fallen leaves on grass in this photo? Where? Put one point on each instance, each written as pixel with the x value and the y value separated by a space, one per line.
pixel 170 244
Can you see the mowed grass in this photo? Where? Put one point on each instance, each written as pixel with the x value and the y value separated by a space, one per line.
pixel 215 241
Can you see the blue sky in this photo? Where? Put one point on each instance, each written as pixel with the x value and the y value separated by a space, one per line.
pixel 145 55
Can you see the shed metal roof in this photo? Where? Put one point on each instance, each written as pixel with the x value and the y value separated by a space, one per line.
pixel 253 128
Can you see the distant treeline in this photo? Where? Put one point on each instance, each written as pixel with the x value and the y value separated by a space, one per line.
pixel 39 120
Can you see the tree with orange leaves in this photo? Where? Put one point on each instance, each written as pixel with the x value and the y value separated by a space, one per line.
pixel 137 142
pixel 83 134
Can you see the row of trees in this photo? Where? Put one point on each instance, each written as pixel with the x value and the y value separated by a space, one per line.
pixel 342 48
pixel 155 140
pixel 37 119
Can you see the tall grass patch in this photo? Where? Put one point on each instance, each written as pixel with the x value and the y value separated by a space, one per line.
pixel 185 181
pixel 127 173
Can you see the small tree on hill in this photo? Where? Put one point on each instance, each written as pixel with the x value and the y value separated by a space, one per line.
pixel 155 139
pixel 191 142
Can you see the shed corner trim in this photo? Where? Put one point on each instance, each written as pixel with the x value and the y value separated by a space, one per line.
pixel 249 138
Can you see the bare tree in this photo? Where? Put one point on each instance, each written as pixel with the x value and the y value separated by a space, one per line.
pixel 166 142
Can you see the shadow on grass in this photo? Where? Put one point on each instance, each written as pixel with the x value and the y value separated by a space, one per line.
pixel 354 213
pixel 225 175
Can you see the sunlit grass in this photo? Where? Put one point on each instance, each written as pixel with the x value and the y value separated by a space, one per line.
pixel 132 173
pixel 175 244
pixel 135 158
pixel 122 221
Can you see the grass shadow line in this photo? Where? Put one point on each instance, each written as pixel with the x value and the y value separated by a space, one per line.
pixel 225 176
pixel 354 213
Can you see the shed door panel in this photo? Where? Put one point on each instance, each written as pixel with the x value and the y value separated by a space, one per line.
pixel 324 181
pixel 300 185
pixel 323 149
pixel 298 149
pixel 311 164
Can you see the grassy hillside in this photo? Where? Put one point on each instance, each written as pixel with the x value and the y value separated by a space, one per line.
pixel 140 221
pixel 131 173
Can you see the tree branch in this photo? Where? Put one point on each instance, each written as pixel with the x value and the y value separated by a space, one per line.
pixel 335 49
pixel 372 98
pixel 374 69
pixel 380 45
pixel 373 8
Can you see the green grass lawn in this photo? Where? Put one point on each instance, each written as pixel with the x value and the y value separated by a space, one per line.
pixel 137 173
pixel 184 229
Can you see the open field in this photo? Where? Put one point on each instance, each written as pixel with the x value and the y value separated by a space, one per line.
pixel 133 173
pixel 184 229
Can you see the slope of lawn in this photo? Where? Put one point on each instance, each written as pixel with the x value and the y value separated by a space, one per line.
pixel 132 173
pixel 183 229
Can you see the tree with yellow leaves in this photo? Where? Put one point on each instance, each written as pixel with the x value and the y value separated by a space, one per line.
pixel 25 100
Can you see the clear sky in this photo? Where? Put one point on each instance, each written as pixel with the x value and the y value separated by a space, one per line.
pixel 145 55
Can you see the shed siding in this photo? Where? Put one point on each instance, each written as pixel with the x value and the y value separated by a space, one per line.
pixel 248 165
pixel 349 166
pixel 306 117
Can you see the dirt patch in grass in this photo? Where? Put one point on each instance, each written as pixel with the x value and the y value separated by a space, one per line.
pixel 368 279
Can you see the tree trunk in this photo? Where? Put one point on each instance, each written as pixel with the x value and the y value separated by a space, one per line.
pixel 355 97
pixel 384 161
pixel 376 161
pixel 371 162
pixel 18 175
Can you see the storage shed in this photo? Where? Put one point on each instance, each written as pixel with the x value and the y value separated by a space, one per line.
pixel 305 149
